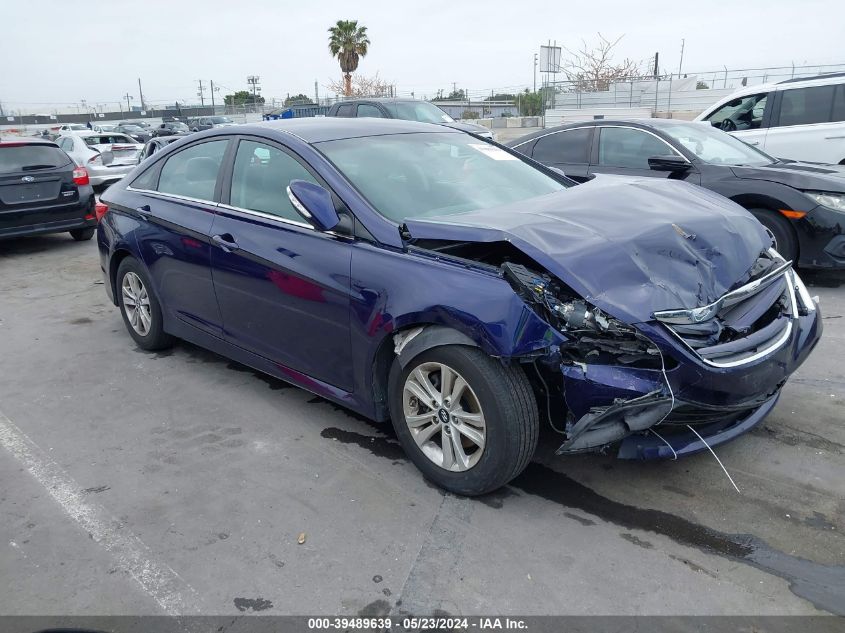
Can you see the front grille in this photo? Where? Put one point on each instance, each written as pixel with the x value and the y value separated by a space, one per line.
pixel 745 324
pixel 694 415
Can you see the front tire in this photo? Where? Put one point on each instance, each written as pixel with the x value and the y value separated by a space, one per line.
pixel 139 307
pixel 81 235
pixel 783 235
pixel 467 421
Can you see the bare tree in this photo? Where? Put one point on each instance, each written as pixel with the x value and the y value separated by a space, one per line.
pixel 362 86
pixel 592 69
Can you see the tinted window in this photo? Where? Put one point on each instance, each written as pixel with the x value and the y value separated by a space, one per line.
pixel 260 179
pixel 571 146
pixel 365 109
pixel 30 157
pixel 193 171
pixel 802 106
pixel 746 113
pixel 839 104
pixel 417 111
pixel 346 109
pixel 627 147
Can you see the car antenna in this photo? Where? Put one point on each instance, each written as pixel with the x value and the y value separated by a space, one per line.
pixel 405 233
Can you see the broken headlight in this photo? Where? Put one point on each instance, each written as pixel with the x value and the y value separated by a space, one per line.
pixel 596 337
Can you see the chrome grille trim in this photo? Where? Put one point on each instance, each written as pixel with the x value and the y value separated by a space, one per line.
pixel 733 298
pixel 697 315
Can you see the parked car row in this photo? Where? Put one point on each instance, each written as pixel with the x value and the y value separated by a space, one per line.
pixel 465 291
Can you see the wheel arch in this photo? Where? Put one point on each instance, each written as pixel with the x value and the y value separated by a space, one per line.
pixel 762 201
pixel 114 263
pixel 403 345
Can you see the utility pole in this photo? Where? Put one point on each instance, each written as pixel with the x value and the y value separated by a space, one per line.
pixel 141 94
pixel 681 64
pixel 535 72
pixel 253 81
pixel 656 58
pixel 316 93
pixel 201 93
pixel 213 90
pixel 128 98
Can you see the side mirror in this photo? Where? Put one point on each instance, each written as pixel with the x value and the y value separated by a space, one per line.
pixel 669 163
pixel 313 203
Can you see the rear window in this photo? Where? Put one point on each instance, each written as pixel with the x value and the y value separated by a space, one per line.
pixel 31 157
pixel 107 139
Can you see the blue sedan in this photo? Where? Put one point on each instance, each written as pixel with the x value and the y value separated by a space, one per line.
pixel 465 292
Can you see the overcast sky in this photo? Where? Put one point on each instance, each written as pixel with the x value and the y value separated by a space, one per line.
pixel 54 53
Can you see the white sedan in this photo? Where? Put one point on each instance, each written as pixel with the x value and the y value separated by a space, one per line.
pixel 107 156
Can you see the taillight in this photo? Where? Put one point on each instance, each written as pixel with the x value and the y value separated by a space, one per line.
pixel 80 176
pixel 100 209
pixel 96 160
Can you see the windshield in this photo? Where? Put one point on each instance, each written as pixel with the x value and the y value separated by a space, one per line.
pixel 132 128
pixel 76 126
pixel 220 119
pixel 417 111
pixel 415 175
pixel 177 126
pixel 714 146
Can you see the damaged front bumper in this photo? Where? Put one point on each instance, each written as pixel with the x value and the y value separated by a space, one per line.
pixel 677 410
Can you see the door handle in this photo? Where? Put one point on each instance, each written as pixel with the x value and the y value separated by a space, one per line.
pixel 144 211
pixel 755 143
pixel 226 242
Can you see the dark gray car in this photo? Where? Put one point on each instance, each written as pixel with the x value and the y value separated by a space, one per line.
pixel 406 109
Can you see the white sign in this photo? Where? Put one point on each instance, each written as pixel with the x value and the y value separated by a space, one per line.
pixel 550 59
pixel 10 118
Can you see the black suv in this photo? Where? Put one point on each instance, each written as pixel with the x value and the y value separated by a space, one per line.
pixel 43 191
pixel 406 109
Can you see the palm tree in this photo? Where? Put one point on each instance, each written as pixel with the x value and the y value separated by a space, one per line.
pixel 348 42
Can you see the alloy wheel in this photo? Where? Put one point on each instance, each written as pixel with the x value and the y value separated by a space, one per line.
pixel 136 303
pixel 444 416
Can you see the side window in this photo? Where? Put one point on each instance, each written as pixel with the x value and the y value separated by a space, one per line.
pixel 346 110
pixel 66 144
pixel 193 171
pixel 743 113
pixel 260 179
pixel 366 109
pixel 839 104
pixel 570 146
pixel 627 147
pixel 804 106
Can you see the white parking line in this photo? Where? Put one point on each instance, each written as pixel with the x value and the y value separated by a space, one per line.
pixel 173 594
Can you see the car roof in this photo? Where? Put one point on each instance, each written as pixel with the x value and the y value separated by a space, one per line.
pixel 638 123
pixel 25 140
pixel 383 100
pixel 320 129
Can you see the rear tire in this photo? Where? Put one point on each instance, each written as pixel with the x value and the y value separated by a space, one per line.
pixel 139 307
pixel 785 240
pixel 497 406
pixel 81 235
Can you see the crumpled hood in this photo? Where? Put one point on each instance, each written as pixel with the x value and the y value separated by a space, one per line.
pixel 629 246
pixel 809 176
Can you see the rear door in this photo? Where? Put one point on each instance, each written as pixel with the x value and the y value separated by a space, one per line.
pixel 809 125
pixel 283 287
pixel 36 185
pixel 567 150
pixel 175 203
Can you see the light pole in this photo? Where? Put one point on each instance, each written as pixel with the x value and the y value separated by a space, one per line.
pixel 128 98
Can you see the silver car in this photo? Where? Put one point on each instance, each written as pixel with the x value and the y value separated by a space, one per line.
pixel 107 156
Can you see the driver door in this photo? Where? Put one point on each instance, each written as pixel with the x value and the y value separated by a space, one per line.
pixel 282 286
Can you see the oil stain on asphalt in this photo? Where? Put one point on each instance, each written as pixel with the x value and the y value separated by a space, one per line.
pixel 822 585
